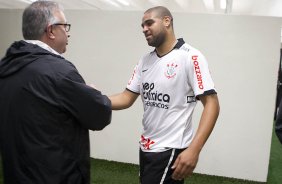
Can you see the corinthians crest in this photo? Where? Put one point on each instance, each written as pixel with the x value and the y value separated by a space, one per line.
pixel 170 71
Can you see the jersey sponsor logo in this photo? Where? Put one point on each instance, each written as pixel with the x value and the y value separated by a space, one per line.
pixel 198 72
pixel 191 99
pixel 170 72
pixel 132 77
pixel 155 104
pixel 154 98
pixel 146 143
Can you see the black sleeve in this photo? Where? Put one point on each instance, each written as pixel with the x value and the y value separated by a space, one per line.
pixel 87 105
pixel 278 123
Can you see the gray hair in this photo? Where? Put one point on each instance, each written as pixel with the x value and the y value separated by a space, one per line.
pixel 36 18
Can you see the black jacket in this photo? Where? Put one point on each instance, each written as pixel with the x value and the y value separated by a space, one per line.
pixel 45 113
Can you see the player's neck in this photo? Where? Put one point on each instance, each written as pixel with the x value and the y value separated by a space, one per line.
pixel 166 47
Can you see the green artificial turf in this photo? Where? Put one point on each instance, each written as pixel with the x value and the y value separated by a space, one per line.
pixel 110 172
pixel 275 162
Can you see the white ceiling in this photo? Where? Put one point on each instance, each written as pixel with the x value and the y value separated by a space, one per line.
pixel 243 7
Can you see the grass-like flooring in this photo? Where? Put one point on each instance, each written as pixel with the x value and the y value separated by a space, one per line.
pixel 110 172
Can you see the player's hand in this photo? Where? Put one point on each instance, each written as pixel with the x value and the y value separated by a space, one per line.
pixel 185 164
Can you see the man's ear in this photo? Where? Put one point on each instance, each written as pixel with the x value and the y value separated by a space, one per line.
pixel 49 32
pixel 167 21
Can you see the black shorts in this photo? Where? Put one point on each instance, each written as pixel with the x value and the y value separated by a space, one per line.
pixel 155 167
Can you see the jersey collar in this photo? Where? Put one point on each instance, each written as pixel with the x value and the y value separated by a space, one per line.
pixel 179 43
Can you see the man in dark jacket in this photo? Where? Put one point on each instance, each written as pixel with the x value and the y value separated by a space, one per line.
pixel 46 109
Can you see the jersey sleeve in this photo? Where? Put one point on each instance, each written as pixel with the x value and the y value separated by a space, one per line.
pixel 134 82
pixel 199 75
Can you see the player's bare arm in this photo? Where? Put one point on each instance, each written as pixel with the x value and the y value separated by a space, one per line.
pixel 123 100
pixel 187 160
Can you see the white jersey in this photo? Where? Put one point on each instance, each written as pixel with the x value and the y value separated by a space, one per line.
pixel 169 87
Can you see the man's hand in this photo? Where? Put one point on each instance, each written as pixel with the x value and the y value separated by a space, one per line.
pixel 185 164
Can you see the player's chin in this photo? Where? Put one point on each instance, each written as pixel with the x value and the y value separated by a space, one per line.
pixel 151 44
pixel 149 41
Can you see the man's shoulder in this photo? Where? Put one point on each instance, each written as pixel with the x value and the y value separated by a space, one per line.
pixel 56 60
pixel 148 55
pixel 190 50
pixel 54 66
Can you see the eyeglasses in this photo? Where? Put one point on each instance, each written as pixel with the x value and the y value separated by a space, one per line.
pixel 67 26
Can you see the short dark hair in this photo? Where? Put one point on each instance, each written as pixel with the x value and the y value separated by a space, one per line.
pixel 161 12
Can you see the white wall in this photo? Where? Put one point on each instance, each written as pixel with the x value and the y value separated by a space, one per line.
pixel 10 28
pixel 243 54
